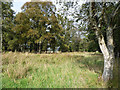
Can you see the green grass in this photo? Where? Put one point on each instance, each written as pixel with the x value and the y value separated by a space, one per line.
pixel 65 70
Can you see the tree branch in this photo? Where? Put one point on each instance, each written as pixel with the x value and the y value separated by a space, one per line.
pixel 115 12
pixel 115 27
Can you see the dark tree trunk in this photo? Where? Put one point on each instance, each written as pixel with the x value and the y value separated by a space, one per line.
pixel 40 50
pixel 31 46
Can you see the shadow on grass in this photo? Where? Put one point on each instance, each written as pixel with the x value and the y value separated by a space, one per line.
pixel 96 63
pixel 114 83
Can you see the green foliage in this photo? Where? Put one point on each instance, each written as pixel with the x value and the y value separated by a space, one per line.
pixel 113 21
pixel 38 27
pixel 33 28
pixel 92 42
pixel 7 24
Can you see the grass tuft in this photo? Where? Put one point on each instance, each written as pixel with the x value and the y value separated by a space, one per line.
pixel 63 70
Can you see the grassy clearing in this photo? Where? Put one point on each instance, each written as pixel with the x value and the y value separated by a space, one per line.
pixel 65 70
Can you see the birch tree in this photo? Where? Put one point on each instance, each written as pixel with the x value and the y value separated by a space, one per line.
pixel 107 47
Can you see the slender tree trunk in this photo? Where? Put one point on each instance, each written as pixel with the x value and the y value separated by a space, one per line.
pixel 108 54
pixel 46 49
pixel 40 48
pixel 31 45
pixel 20 48
pixel 53 49
pixel 108 64
pixel 107 49
pixel 37 47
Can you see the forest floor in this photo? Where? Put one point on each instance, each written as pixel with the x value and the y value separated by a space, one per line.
pixel 62 70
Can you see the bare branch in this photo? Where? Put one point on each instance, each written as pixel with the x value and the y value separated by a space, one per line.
pixel 115 12
pixel 103 14
pixel 115 27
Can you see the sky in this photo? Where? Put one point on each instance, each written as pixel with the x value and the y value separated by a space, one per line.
pixel 17 4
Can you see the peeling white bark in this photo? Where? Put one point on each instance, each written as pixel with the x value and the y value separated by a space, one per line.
pixel 107 49
pixel 108 62
pixel 108 53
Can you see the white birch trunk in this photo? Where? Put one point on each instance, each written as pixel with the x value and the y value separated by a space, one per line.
pixel 108 54
pixel 107 49
pixel 108 63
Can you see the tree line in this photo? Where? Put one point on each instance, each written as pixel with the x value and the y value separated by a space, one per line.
pixel 38 28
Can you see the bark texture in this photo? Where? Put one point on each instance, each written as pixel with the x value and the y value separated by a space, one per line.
pixel 109 61
pixel 106 48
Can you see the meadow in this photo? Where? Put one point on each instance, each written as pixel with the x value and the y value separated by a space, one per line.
pixel 60 70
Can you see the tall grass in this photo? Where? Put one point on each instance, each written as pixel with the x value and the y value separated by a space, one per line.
pixel 65 70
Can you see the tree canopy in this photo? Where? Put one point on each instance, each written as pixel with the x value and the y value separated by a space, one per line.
pixel 39 28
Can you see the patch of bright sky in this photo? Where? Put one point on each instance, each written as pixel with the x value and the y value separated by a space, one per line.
pixel 17 4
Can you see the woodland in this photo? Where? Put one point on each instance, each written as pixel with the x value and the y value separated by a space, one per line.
pixel 41 28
